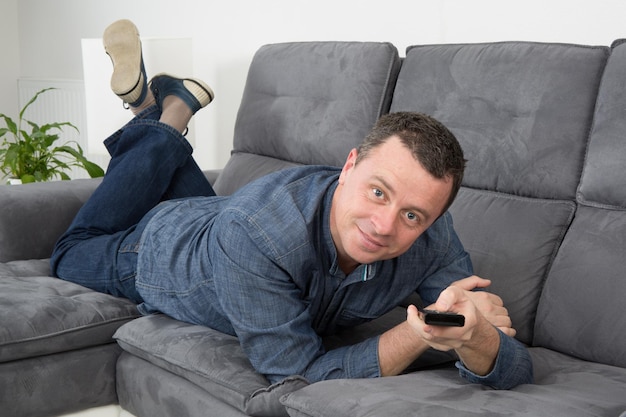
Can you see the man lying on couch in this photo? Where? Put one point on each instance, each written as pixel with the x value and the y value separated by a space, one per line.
pixel 294 255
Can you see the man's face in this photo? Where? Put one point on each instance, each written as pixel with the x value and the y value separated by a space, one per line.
pixel 383 204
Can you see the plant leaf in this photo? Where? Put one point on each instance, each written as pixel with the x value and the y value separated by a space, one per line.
pixel 32 100
pixel 94 170
pixel 11 125
pixel 30 156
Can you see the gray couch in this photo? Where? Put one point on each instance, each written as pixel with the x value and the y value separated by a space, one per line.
pixel 542 212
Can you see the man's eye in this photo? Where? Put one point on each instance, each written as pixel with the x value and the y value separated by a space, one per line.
pixel 377 193
pixel 411 216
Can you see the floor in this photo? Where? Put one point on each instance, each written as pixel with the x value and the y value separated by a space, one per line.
pixel 107 411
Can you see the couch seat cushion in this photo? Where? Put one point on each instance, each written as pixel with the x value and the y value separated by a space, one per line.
pixel 42 315
pixel 212 360
pixel 564 387
pixel 216 363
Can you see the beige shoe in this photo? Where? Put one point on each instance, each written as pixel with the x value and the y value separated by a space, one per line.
pixel 122 44
pixel 194 92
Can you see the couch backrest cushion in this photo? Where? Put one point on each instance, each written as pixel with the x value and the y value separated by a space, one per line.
pixel 581 311
pixel 604 175
pixel 308 103
pixel 512 241
pixel 522 112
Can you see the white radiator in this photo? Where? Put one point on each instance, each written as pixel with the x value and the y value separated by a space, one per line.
pixel 64 104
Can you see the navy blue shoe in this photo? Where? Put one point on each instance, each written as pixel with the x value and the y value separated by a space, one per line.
pixel 194 92
pixel 122 44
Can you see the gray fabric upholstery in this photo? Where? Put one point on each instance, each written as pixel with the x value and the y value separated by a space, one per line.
pixel 208 358
pixel 521 110
pixel 48 315
pixel 564 387
pixel 308 103
pixel 35 215
pixel 57 353
pixel 251 167
pixel 604 176
pixel 59 383
pixel 164 394
pixel 589 271
pixel 512 241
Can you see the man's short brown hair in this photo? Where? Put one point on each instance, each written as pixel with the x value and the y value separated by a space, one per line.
pixel 430 142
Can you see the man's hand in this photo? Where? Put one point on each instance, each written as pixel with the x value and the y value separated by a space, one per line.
pixel 444 338
pixel 476 343
pixel 490 305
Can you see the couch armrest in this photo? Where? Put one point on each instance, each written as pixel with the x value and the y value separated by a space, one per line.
pixel 33 216
pixel 212 174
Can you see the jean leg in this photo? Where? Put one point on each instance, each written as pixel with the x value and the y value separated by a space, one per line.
pixel 189 181
pixel 105 263
pixel 150 161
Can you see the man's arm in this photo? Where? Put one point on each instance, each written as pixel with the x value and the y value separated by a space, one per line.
pixel 478 343
pixel 401 345
pixel 398 348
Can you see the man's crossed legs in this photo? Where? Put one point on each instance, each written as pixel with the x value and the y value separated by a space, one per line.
pixel 150 162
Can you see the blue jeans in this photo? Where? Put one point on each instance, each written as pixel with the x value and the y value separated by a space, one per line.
pixel 150 162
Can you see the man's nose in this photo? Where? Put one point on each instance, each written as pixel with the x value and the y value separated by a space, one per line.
pixel 384 220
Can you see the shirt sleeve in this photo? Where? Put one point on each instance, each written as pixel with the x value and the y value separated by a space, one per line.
pixel 270 316
pixel 513 366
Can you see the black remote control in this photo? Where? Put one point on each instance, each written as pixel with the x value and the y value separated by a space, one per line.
pixel 438 318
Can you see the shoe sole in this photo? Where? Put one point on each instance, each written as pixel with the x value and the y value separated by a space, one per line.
pixel 122 44
pixel 200 90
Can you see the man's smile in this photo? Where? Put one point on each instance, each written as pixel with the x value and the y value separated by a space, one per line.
pixel 369 242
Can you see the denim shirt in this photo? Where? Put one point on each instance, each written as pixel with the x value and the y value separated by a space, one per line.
pixel 261 265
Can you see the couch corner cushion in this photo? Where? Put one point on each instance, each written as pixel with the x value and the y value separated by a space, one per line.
pixel 210 359
pixel 43 315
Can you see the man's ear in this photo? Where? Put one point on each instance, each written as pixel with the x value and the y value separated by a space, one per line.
pixel 347 167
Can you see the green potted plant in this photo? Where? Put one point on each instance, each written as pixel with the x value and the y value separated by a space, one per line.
pixel 34 156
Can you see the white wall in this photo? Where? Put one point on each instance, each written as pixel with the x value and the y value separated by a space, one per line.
pixel 226 34
pixel 10 61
